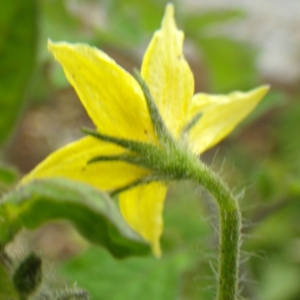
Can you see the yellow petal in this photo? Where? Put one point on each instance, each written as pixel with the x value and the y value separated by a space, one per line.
pixel 142 208
pixel 220 115
pixel 111 96
pixel 167 73
pixel 71 162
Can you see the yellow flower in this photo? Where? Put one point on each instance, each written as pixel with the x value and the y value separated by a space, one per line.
pixel 116 103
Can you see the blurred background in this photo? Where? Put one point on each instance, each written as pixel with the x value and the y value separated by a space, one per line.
pixel 230 45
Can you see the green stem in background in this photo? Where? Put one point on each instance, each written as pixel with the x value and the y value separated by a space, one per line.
pixel 230 228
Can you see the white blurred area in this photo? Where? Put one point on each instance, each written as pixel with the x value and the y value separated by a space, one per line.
pixel 271 25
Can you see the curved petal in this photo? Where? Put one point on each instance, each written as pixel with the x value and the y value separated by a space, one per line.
pixel 71 162
pixel 111 96
pixel 167 73
pixel 220 115
pixel 142 208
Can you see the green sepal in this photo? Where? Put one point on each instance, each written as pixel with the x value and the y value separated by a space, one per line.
pixel 144 180
pixel 191 124
pixel 132 159
pixel 164 164
pixel 161 130
pixel 91 212
pixel 138 147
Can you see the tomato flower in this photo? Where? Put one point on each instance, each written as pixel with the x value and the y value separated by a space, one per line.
pixel 133 122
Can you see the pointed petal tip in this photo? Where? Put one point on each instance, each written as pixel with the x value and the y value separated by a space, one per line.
pixel 261 91
pixel 264 88
pixel 50 44
pixel 168 18
pixel 169 9
pixel 156 249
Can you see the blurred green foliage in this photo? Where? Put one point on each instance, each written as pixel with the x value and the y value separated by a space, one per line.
pixel 18 35
pixel 8 177
pixel 35 203
pixel 229 55
pixel 230 63
pixel 129 279
pixel 262 157
pixel 7 288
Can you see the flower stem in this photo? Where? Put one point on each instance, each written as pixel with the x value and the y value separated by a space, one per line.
pixel 230 228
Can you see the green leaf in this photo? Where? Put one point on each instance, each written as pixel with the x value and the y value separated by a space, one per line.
pixel 133 278
pixel 18 32
pixel 231 64
pixel 92 213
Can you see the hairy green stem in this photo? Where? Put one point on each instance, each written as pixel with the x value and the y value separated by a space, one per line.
pixel 230 228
